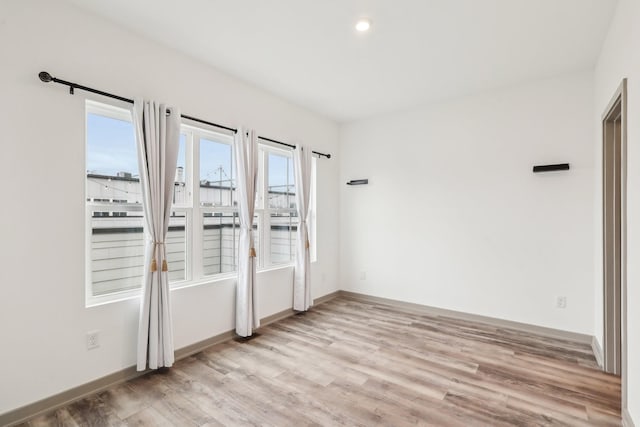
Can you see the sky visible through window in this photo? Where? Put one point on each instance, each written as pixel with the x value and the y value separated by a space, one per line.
pixel 111 149
pixel 280 177
pixel 111 146
pixel 215 162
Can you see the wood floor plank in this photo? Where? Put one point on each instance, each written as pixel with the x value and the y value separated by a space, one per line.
pixel 94 411
pixel 352 362
pixel 59 418
pixel 148 417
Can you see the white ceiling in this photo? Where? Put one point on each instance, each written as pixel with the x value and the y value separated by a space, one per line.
pixel 417 51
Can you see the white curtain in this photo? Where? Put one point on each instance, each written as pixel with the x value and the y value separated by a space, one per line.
pixel 157 139
pixel 302 278
pixel 245 150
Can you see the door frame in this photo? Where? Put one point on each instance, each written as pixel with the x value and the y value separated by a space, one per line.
pixel 614 351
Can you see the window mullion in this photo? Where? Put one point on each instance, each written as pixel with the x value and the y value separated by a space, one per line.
pixel 190 234
pixel 198 212
pixel 88 255
pixel 261 249
pixel 266 223
pixel 267 237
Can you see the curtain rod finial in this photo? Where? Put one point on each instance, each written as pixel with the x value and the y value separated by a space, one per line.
pixel 45 77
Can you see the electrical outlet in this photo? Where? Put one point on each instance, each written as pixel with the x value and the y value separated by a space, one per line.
pixel 363 275
pixel 93 339
pixel 561 302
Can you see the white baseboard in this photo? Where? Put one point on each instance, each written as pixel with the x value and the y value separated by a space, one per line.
pixel 597 352
pixel 24 413
pixel 502 323
pixel 626 418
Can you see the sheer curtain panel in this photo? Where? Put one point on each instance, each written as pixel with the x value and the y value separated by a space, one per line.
pixel 157 130
pixel 302 277
pixel 245 151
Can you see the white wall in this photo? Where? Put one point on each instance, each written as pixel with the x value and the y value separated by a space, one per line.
pixel 620 58
pixel 453 216
pixel 43 319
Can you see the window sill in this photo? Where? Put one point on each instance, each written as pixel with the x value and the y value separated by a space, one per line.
pixel 129 295
pixel 276 267
pixel 111 298
pixel 203 281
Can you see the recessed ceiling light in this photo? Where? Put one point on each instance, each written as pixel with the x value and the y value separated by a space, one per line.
pixel 363 24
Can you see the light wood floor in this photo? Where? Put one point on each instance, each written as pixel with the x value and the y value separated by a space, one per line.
pixel 349 362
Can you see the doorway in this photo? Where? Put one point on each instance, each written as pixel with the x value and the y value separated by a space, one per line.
pixel 614 229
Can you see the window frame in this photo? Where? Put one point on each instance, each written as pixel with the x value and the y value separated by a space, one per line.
pixel 197 260
pixel 263 211
pixel 117 113
pixel 192 209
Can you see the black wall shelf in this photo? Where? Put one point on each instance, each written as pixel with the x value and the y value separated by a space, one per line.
pixel 551 168
pixel 358 182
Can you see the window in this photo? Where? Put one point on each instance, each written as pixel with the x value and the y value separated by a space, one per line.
pixel 218 210
pixel 204 228
pixel 115 221
pixel 114 210
pixel 276 206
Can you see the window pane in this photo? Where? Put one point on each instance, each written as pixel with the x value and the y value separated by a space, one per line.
pixel 180 196
pixel 216 174
pixel 112 160
pixel 176 247
pixel 117 251
pixel 220 242
pixel 281 185
pixel 116 218
pixel 283 233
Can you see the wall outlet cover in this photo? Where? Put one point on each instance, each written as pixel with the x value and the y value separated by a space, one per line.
pixel 93 339
pixel 561 302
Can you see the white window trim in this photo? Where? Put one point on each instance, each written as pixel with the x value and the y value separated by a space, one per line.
pixel 118 113
pixel 194 275
pixel 313 220
pixel 263 211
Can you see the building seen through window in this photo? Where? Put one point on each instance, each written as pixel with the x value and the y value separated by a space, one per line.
pixel 204 228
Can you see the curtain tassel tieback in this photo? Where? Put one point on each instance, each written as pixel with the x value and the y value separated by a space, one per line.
pixel 252 252
pixel 306 245
pixel 154 263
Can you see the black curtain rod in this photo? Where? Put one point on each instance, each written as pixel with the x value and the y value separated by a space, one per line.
pixel 46 77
